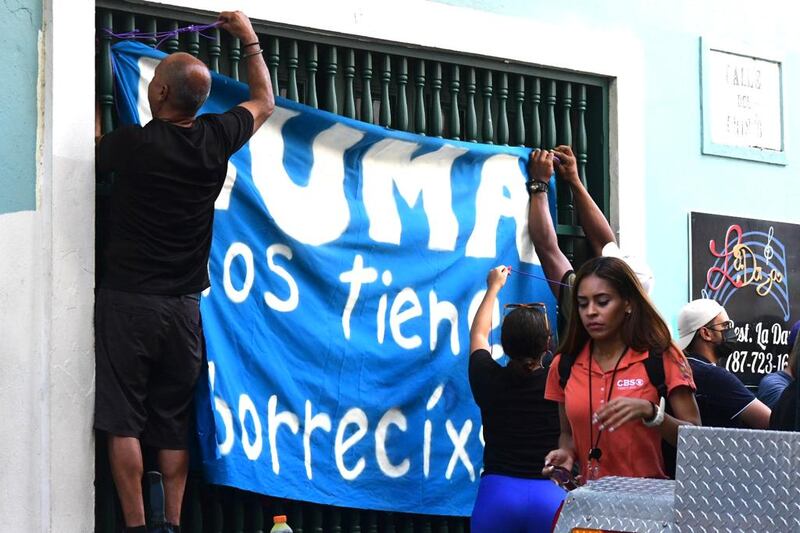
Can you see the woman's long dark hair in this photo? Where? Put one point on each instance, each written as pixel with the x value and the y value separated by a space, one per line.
pixel 643 328
pixel 525 335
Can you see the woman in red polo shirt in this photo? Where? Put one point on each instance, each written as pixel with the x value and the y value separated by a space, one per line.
pixel 612 419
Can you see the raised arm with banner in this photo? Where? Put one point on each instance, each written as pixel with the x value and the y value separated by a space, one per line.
pixel 346 265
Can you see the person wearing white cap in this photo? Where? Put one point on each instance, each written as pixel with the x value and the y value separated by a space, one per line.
pixel 706 334
pixel 555 264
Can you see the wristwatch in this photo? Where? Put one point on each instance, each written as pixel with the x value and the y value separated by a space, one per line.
pixel 658 419
pixel 536 186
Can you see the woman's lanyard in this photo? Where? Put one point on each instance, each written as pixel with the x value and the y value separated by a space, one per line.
pixel 595 453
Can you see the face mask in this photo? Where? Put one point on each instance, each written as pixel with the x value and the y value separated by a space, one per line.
pixel 724 348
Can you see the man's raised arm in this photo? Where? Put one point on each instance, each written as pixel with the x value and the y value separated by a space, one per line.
pixel 262 101
pixel 540 225
pixel 597 229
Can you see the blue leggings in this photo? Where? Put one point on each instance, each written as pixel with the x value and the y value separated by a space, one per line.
pixel 515 505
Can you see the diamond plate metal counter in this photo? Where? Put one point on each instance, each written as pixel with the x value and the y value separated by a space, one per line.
pixel 620 504
pixel 737 480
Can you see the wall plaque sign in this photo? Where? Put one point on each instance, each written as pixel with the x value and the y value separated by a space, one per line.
pixel 742 105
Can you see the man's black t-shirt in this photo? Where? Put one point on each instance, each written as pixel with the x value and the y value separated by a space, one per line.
pixel 784 416
pixel 519 426
pixel 162 203
pixel 721 396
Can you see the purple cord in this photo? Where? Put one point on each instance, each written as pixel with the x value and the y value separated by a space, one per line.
pixel 162 36
pixel 539 277
pixel 555 157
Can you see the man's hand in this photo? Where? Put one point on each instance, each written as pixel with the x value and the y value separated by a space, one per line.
pixel 238 25
pixel 540 165
pixel 566 165
pixel 262 102
pixel 497 277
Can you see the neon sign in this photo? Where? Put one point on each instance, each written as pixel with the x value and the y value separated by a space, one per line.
pixel 754 258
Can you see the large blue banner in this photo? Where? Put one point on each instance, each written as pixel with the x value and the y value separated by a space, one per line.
pixel 347 263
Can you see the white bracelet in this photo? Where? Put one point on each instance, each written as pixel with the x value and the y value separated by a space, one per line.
pixel 659 418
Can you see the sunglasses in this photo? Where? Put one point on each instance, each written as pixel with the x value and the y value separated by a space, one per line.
pixel 533 306
pixel 564 478
pixel 722 326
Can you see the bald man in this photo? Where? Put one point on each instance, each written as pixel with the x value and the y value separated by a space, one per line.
pixel 149 338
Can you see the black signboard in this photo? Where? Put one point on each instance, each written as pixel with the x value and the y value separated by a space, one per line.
pixel 752 268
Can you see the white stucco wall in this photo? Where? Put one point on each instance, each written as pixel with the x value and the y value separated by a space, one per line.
pixel 46 297
pixel 21 385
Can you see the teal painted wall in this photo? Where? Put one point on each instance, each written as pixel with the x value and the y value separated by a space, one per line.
pixel 20 22
pixel 678 177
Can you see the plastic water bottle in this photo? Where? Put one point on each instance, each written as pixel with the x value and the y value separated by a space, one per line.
pixel 280 525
